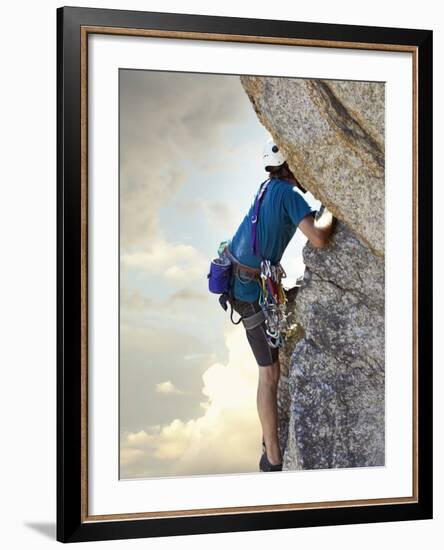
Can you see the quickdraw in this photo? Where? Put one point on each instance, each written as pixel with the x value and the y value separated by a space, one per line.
pixel 273 301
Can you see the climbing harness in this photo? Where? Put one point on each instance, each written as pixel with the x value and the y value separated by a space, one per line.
pixel 272 296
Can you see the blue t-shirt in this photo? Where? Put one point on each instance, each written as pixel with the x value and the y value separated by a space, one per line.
pixel 282 209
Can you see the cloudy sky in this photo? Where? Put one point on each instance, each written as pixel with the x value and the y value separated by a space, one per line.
pixel 190 164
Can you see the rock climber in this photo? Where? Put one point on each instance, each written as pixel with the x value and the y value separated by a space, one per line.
pixel 264 233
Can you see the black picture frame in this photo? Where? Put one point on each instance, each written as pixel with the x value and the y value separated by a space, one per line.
pixel 73 524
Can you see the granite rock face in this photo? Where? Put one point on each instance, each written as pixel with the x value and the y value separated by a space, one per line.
pixel 331 396
pixel 332 134
pixel 332 393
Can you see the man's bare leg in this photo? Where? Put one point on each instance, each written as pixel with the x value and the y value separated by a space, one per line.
pixel 267 409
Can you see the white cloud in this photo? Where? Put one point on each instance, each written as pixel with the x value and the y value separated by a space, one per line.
pixel 194 356
pixel 177 262
pixel 129 455
pixel 225 439
pixel 167 387
pixel 169 121
pixel 216 212
pixel 134 299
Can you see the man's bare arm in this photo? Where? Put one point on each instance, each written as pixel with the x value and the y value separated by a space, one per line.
pixel 318 231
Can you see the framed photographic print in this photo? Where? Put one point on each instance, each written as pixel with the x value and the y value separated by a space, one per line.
pixel 244 274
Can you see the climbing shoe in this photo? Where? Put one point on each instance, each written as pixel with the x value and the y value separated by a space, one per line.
pixel 266 466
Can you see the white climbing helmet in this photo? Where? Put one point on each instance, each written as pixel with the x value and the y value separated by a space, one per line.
pixel 271 155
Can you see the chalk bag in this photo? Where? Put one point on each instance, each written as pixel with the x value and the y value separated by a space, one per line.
pixel 219 277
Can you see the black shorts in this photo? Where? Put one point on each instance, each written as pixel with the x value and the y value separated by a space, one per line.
pixel 264 354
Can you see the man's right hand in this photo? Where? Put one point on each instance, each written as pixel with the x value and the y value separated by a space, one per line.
pixel 318 231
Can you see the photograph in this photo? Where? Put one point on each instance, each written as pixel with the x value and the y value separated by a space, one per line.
pixel 251 274
pixel 221 218
pixel 244 267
